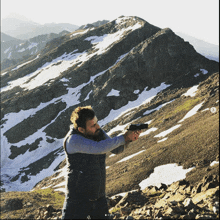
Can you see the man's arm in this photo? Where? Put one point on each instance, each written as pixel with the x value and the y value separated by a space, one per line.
pixel 130 135
pixel 79 144
pixel 117 150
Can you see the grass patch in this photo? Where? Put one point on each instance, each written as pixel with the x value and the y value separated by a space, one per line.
pixel 187 105
pixel 38 198
pixel 55 198
pixel 114 209
pixel 178 108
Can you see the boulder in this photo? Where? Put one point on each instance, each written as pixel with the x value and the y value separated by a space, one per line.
pixel 199 197
pixel 13 204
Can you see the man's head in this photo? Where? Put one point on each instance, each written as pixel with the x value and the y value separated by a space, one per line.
pixel 85 121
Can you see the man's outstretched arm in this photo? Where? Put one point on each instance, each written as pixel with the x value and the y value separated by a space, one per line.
pixel 79 144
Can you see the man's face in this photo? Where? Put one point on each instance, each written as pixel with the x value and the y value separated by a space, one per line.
pixel 92 127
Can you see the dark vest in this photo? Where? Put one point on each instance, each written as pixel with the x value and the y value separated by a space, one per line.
pixel 87 174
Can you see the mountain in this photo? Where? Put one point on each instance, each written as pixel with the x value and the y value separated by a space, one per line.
pixel 17 51
pixel 129 71
pixel 24 29
pixel 210 51
pixel 6 38
pixel 95 24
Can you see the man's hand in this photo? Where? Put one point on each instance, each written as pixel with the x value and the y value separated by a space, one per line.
pixel 131 136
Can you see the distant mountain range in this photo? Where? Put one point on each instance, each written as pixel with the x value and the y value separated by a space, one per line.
pixel 211 51
pixel 26 29
pixel 14 51
pixel 22 38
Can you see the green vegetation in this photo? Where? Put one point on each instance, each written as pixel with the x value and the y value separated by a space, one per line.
pixel 115 209
pixel 31 201
pixel 185 107
pixel 188 105
pixel 54 198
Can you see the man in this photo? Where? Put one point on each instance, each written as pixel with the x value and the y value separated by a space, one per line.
pixel 86 145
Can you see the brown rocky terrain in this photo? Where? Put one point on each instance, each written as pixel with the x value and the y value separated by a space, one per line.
pixel 180 200
pixel 196 145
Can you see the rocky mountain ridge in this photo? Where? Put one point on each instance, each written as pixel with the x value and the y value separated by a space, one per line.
pixel 124 69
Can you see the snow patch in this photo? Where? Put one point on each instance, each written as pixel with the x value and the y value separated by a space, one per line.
pixel 192 111
pixel 214 162
pixel 147 132
pixel 166 174
pixel 129 157
pixel 164 139
pixel 114 93
pixel 192 91
pixel 102 43
pixel 164 133
pixel 204 72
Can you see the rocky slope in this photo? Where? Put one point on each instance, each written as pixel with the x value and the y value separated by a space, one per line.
pixel 179 200
pixel 129 71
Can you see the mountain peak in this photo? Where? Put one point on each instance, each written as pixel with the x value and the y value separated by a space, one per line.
pixel 15 16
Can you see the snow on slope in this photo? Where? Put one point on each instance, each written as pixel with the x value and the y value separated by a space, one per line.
pixel 166 174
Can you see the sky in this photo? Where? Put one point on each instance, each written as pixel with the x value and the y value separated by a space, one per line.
pixel 197 18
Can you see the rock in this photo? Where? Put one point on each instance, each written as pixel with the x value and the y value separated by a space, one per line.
pixel 181 189
pixel 210 181
pixel 46 212
pixel 125 210
pixel 209 186
pixel 177 197
pixel 197 189
pixel 190 215
pixel 175 186
pixel 172 210
pixel 203 195
pixel 13 204
pixel 163 186
pixel 158 214
pixel 188 203
pixel 134 197
pixel 215 209
pixel 188 189
pixel 28 204
pixel 160 203
pixel 129 218
pixel 199 216
pixel 148 212
pixel 153 190
pixel 112 201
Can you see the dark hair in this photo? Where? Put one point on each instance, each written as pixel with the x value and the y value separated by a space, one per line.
pixel 80 116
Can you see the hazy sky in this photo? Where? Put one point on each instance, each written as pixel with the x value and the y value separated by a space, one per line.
pixel 198 18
